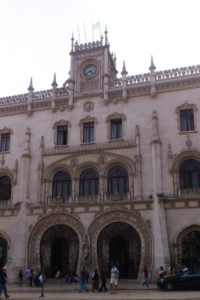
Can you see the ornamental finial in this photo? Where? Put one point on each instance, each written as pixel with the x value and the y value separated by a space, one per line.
pixel 152 66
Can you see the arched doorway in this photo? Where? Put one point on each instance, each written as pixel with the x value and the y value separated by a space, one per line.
pixel 59 250
pixel 119 244
pixel 191 249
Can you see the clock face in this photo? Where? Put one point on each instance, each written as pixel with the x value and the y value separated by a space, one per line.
pixel 90 71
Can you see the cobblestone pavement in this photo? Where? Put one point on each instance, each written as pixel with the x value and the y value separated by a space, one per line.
pixel 125 292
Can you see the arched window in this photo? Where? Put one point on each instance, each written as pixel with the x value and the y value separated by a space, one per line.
pixel 118 180
pixel 61 184
pixel 5 188
pixel 89 182
pixel 189 173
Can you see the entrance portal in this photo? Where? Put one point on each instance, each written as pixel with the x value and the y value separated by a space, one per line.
pixel 191 249
pixel 59 250
pixel 119 244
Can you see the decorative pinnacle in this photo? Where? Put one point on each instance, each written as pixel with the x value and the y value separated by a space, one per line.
pixel 124 72
pixel 106 36
pixel 30 88
pixel 152 66
pixel 72 42
pixel 54 83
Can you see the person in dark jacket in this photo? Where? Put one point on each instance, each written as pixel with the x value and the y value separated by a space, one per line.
pixel 103 281
pixel 95 280
pixel 3 282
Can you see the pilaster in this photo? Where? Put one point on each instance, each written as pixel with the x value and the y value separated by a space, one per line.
pixel 161 247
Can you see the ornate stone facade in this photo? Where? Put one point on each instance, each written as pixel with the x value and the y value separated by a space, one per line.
pixel 101 151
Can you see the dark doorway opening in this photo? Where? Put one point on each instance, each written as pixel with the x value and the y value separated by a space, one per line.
pixel 119 244
pixel 59 250
pixel 59 256
pixel 119 254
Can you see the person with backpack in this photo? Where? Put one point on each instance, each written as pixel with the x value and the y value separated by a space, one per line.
pixel 3 282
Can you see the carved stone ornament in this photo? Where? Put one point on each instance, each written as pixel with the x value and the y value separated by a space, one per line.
pixel 102 160
pixel 124 216
pixel 88 106
pixel 42 226
pixel 74 163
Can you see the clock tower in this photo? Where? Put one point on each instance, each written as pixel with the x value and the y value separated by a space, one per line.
pixel 92 70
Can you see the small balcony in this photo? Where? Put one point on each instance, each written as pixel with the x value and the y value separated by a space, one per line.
pixel 58 200
pixel 189 193
pixel 83 199
pixel 5 204
pixel 117 197
pixel 88 198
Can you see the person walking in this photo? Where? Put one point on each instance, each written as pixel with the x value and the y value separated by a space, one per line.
pixel 95 280
pixel 83 280
pixel 3 282
pixel 114 279
pixel 31 278
pixel 146 277
pixel 20 278
pixel 103 281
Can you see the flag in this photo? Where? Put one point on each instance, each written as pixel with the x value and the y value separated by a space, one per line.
pixel 95 27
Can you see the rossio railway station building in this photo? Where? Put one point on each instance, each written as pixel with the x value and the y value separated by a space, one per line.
pixel 101 170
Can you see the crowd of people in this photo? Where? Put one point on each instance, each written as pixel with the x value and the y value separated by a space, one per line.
pixel 99 280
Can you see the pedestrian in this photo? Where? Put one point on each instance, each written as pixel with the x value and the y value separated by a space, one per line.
pixel 27 275
pixel 95 280
pixel 146 277
pixel 114 279
pixel 161 272
pixel 20 278
pixel 3 282
pixel 83 280
pixel 31 278
pixel 103 281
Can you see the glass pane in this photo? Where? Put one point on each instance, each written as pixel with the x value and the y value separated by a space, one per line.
pixel 88 132
pixel 190 174
pixel 5 188
pixel 116 129
pixel 186 120
pixel 5 142
pixel 62 135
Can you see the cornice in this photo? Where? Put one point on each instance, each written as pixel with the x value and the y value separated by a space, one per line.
pixel 110 145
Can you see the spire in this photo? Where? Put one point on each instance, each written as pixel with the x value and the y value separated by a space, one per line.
pixel 72 43
pixel 152 78
pixel 30 97
pixel 54 83
pixel 30 88
pixel 106 36
pixel 152 66
pixel 124 72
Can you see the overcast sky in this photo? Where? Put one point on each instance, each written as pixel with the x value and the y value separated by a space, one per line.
pixel 35 36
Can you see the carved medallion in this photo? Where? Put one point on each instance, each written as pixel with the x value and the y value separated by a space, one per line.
pixel 88 106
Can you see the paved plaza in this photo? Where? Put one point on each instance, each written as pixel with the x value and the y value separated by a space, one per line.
pixel 127 291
